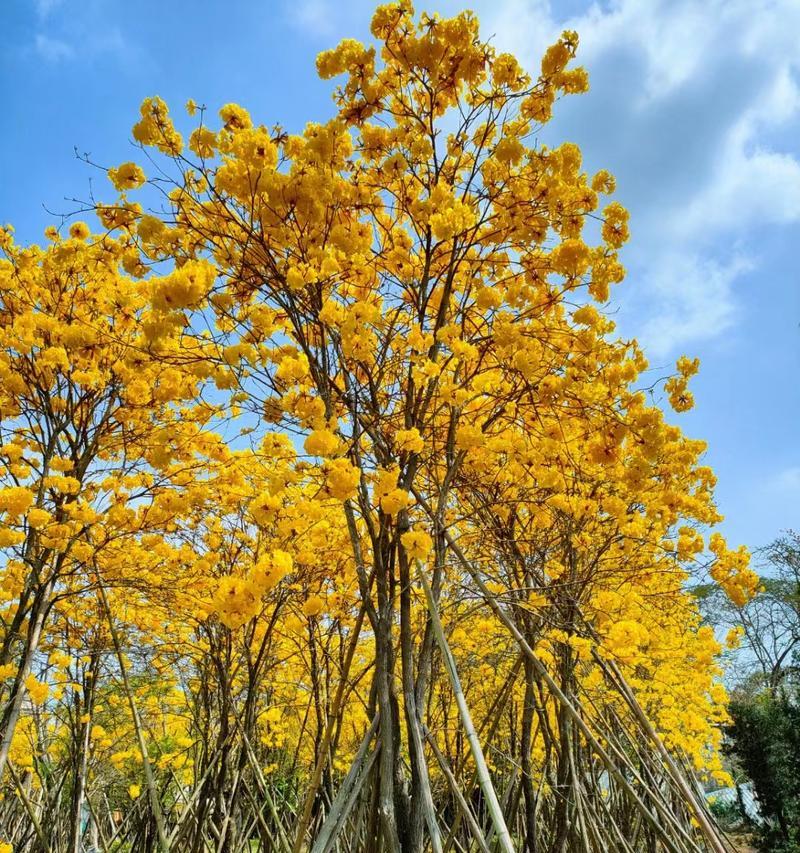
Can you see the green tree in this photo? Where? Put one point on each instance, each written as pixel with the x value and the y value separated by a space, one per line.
pixel 765 738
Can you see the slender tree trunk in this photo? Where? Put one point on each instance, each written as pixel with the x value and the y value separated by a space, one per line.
pixel 13 707
pixel 422 808
pixel 137 725
pixel 492 803
pixel 526 742
pixel 82 755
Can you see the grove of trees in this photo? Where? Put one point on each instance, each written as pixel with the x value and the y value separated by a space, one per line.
pixel 335 515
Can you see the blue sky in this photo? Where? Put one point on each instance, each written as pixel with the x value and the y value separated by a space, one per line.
pixel 694 105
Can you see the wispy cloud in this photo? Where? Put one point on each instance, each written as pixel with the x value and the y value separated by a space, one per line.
pixel 694 295
pixel 785 481
pixel 110 40
pixel 314 17
pixel 45 7
pixel 53 49
pixel 81 40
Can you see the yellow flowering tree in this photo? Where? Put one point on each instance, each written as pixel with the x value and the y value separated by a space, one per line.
pixel 95 446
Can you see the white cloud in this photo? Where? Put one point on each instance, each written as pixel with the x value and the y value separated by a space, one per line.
pixel 787 480
pixel 110 40
pixel 702 85
pixel 522 27
pixel 693 299
pixel 671 37
pixel 101 42
pixel 753 186
pixel 315 17
pixel 45 7
pixel 53 49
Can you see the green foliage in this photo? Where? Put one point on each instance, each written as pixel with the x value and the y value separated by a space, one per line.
pixel 764 736
pixel 727 814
